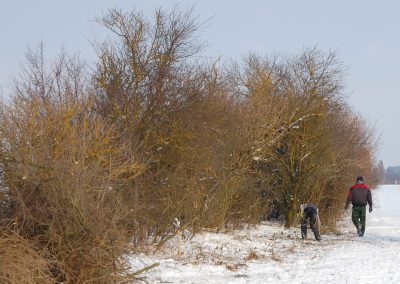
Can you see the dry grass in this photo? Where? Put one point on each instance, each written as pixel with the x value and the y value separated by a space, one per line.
pixel 276 256
pixel 235 266
pixel 21 262
pixel 253 256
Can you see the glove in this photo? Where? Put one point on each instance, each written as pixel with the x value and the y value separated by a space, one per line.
pixel 370 210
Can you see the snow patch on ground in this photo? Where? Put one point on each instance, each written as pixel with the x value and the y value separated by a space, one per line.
pixel 269 253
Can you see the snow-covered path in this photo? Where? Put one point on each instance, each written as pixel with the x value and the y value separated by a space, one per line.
pixel 375 258
pixel 271 254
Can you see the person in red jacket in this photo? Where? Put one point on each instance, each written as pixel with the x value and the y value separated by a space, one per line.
pixel 359 195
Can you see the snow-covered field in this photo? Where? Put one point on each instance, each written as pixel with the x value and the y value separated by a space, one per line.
pixel 269 253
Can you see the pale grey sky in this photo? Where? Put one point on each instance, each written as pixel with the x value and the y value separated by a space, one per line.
pixel 365 34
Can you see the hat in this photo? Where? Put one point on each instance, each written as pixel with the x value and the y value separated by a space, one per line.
pixel 359 178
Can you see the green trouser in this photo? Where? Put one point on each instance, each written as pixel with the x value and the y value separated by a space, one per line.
pixel 358 216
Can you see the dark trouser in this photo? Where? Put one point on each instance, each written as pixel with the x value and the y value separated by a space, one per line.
pixel 358 217
pixel 310 213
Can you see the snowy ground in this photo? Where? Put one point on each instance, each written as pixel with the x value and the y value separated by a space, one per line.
pixel 269 253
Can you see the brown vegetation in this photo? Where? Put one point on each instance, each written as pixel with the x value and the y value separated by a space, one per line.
pixel 64 177
pixel 20 261
pixel 158 139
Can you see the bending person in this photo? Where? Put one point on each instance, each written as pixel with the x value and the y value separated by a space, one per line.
pixel 309 212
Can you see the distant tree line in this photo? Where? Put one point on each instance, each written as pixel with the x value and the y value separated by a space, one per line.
pixel 93 159
pixel 390 175
pixel 393 175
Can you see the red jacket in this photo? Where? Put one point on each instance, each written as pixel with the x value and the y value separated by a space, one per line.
pixel 359 194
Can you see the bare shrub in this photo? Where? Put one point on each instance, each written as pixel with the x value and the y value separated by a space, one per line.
pixel 21 262
pixel 300 133
pixel 176 113
pixel 91 162
pixel 65 172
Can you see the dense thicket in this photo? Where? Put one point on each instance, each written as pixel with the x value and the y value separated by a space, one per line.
pixel 94 161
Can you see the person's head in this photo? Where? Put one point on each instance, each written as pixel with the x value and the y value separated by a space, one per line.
pixel 360 179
